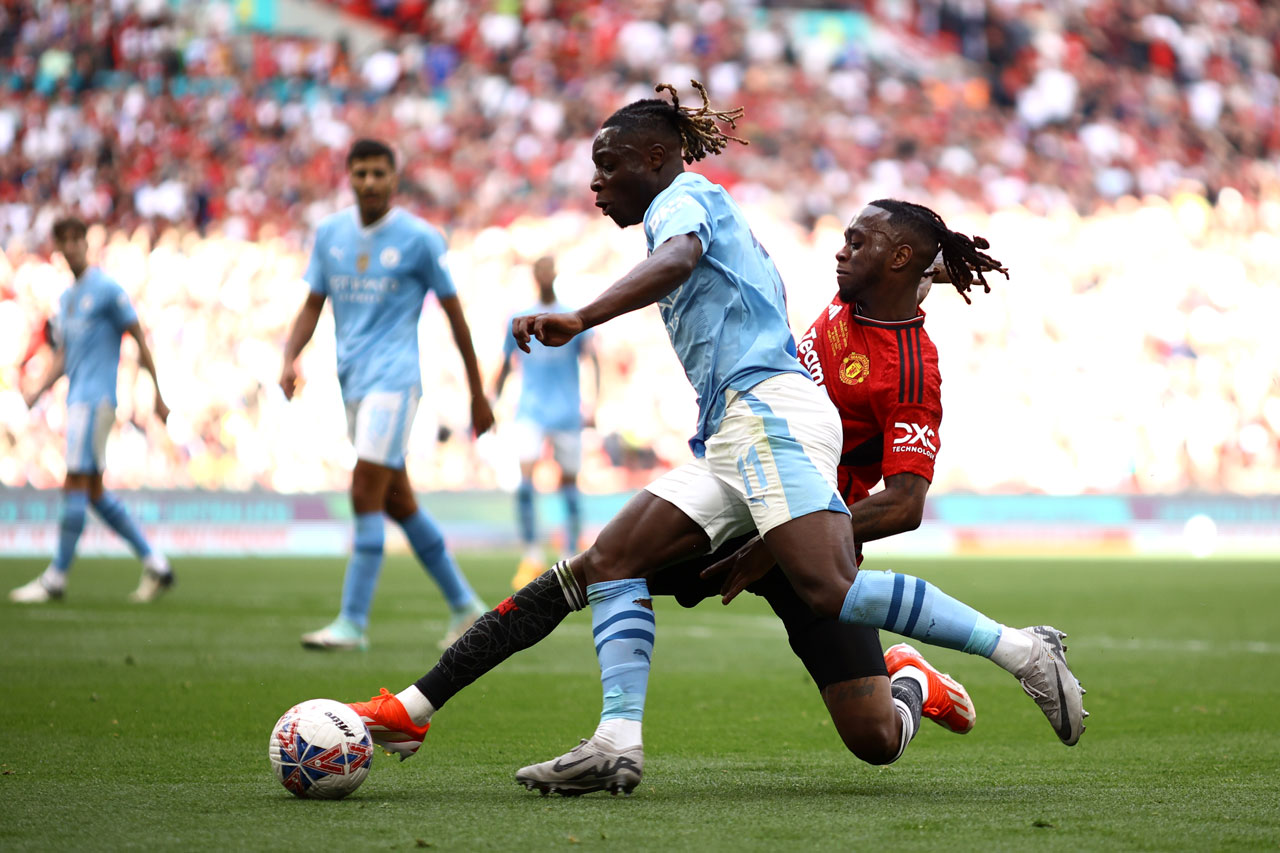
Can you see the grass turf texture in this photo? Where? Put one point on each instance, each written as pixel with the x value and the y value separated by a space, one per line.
pixel 146 726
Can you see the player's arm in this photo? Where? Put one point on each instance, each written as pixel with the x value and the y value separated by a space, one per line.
pixel 897 508
pixel 481 412
pixel 149 364
pixel 304 326
pixel 503 375
pixel 51 375
pixel 667 268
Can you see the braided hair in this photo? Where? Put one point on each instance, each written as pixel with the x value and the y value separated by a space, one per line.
pixel 962 256
pixel 699 134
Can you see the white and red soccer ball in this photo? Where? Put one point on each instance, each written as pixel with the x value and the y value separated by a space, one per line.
pixel 320 749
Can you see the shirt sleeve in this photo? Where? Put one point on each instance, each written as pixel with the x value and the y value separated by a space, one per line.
pixel 317 281
pixel 508 340
pixel 912 439
pixel 122 311
pixel 679 213
pixel 435 267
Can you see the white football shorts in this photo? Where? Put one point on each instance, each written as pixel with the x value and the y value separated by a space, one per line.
pixel 88 425
pixel 379 424
pixel 773 459
pixel 566 445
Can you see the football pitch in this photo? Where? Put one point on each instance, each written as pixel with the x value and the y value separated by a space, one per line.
pixel 126 726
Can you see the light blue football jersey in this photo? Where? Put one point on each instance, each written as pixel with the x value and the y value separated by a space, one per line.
pixel 92 316
pixel 550 394
pixel 377 279
pixel 728 321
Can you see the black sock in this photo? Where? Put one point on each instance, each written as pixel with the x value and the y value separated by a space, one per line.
pixel 521 621
pixel 908 692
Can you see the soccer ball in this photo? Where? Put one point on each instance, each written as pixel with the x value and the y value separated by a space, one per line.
pixel 320 749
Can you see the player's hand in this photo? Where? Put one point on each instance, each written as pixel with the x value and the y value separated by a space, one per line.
pixel 553 330
pixel 481 414
pixel 162 411
pixel 289 380
pixel 741 568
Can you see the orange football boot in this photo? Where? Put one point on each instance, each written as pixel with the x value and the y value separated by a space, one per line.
pixel 948 704
pixel 389 724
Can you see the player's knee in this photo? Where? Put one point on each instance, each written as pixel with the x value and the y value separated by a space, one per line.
pixel 875 741
pixel 400 505
pixel 607 560
pixel 822 596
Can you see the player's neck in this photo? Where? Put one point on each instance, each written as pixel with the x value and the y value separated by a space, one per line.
pixel 366 222
pixel 79 273
pixel 889 310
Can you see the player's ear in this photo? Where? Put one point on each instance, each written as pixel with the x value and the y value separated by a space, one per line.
pixel 658 154
pixel 901 257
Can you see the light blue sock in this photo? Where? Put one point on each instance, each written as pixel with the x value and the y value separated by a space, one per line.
pixel 623 632
pixel 363 568
pixel 70 526
pixel 111 510
pixel 572 517
pixel 916 608
pixel 428 544
pixel 525 517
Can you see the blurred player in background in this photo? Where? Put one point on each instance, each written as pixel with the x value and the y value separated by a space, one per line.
pixel 94 313
pixel 378 263
pixel 549 412
pixel 768 441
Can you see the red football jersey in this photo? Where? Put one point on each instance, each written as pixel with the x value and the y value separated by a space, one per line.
pixel 884 379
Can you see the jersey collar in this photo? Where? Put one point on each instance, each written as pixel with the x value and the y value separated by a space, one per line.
pixel 369 230
pixel 911 323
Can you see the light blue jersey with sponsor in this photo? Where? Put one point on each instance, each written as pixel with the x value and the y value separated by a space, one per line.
pixel 92 317
pixel 728 321
pixel 550 394
pixel 377 279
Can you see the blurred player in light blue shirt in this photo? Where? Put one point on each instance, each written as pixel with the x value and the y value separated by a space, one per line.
pixel 377 263
pixel 93 314
pixel 549 412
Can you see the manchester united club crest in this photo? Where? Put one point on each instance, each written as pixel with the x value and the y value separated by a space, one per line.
pixel 362 262
pixel 854 368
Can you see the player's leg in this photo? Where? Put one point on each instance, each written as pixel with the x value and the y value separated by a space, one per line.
pixel 428 545
pixel 566 445
pixel 528 441
pixel 398 722
pixel 370 427
pixel 157 574
pixel 87 430
pixel 784 451
pixel 682 514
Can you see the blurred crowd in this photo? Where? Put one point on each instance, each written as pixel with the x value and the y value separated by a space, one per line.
pixel 1123 157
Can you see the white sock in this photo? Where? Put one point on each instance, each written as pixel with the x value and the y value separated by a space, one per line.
pixel 918 676
pixel 416 704
pixel 908 727
pixel 53 578
pixel 619 734
pixel 156 562
pixel 1013 650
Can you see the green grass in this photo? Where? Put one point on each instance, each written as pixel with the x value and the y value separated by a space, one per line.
pixel 125 726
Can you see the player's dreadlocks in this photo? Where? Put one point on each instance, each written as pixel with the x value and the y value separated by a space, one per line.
pixel 699 134
pixel 961 255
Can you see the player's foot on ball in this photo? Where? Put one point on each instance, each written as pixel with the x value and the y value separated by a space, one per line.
pixel 460 622
pixel 340 635
pixel 157 579
pixel 527 572
pixel 37 591
pixel 589 766
pixel 1048 680
pixel 948 704
pixel 389 724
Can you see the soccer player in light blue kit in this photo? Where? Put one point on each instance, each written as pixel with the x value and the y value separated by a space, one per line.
pixel 549 411
pixel 377 264
pixel 767 447
pixel 93 315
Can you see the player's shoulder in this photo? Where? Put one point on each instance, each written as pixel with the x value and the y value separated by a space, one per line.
pixel 689 190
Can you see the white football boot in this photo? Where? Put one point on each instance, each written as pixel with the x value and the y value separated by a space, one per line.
pixel 1048 680
pixel 38 591
pixel 589 766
